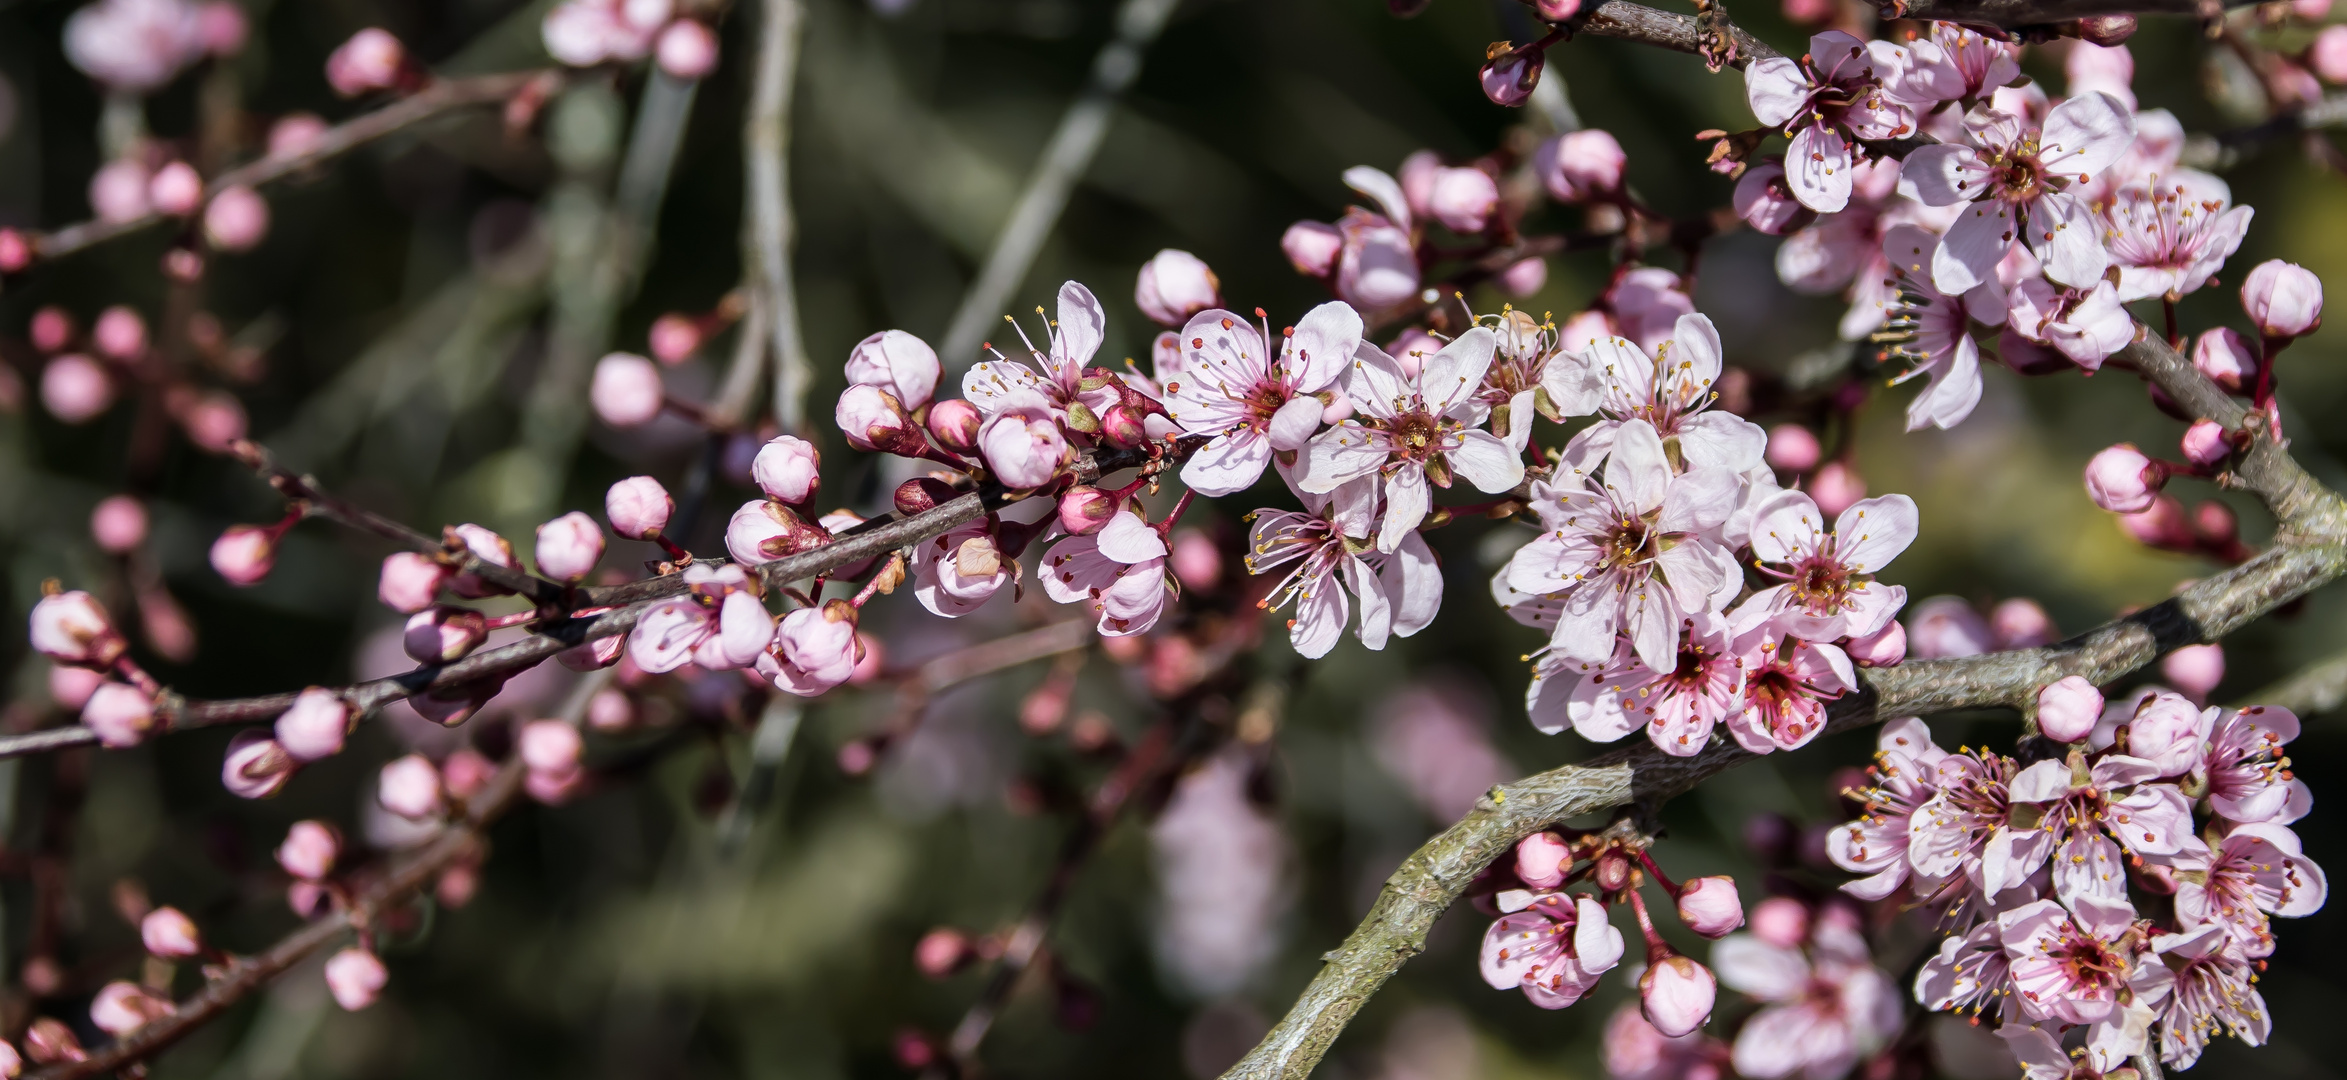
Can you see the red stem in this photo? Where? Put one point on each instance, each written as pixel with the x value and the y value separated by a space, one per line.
pixel 1646 860
pixel 1657 950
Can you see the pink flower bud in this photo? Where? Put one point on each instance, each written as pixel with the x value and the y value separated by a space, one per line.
pixel 788 468
pixel 488 547
pixel 2205 443
pixel 920 495
pixel 1196 560
pixel 675 338
pixel 356 978
pixel 467 773
pixel 443 634
pixel 1781 921
pixel 70 687
pixel 762 531
pixel 638 507
pixel 16 253
pixel 2228 359
pixel 309 850
pixel 245 554
pixel 611 711
pixel 1676 995
pixel 1581 164
pixel 371 60
pixel 2169 731
pixel 2108 31
pixel 313 729
pixel 1793 448
pixel 1417 176
pixel 817 648
pixel 119 524
pixel 550 746
pixel 554 788
pixel 1710 907
pixel 627 391
pixel 1524 277
pixel 569 547
pixel 71 628
pixel 295 134
pixel 897 362
pixel 168 932
pixel 2214 525
pixel 955 423
pixel 213 420
pixel 237 220
pixel 2020 623
pixel 118 191
pixel 2162 525
pixel 1836 487
pixel 48 1041
pixel 1084 509
pixel 1541 860
pixel 2310 10
pixel 2123 481
pixel 1509 78
pixel 2283 299
pixel 123 1007
pixel 256 766
pixel 1175 285
pixel 176 189
pixel 871 418
pixel 2068 708
pixel 1023 450
pixel 1884 648
pixel 75 389
pixel 687 50
pixel 2194 669
pixel 941 952
pixel 1123 427
pixel 410 582
pixel 410 787
pixel 51 329
pixel 872 659
pixel 2328 55
pixel 1312 247
pixel 1764 199
pixel 223 27
pixel 1463 199
pixel 120 714
pixel 1556 11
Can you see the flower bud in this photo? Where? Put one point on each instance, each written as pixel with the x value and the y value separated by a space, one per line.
pixel 2205 443
pixel 2283 299
pixel 611 711
pixel 788 469
pixel 120 714
pixel 1836 487
pixel 1312 247
pixel 237 219
pixel 922 494
pixel 955 422
pixel 1196 560
pixel 1123 427
pixel 119 524
pixel 168 932
pixel 1710 907
pixel 1781 921
pixel 2194 669
pixel 51 329
pixel 16 253
pixel 371 60
pixel 941 952
pixel 71 628
pixel 1084 509
pixel 1580 165
pixel 1524 277
pixel 2168 731
pixel 1793 448
pixel 410 787
pixel 1509 78
pixel 2328 54
pixel 1884 648
pixel 627 391
pixel 176 189
pixel 638 507
pixel 1463 199
pixel 762 531
pixel 409 581
pixel 49 1041
pixel 2121 480
pixel 309 850
pixel 245 554
pixel 2163 525
pixel 314 728
pixel 356 978
pixel 75 389
pixel 871 418
pixel 814 651
pixel 256 766
pixel 2106 30
pixel 1541 860
pixel 1023 451
pixel 489 548
pixel 466 773
pixel 223 27
pixel 2068 708
pixel 2020 623
pixel 550 746
pixel 898 363
pixel 118 191
pixel 1556 11
pixel 122 1007
pixel 569 547
pixel 70 687
pixel 1676 995
pixel 1175 285
pixel 1764 199
pixel 443 634
pixel 675 338
pixel 687 50
pixel 2214 525
pixel 2228 359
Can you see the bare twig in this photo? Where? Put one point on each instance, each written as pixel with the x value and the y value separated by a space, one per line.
pixel 1668 30
pixel 2310 691
pixel 2012 13
pixel 769 231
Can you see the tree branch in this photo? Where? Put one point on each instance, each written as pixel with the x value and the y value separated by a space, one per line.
pixel 1668 30
pixel 769 232
pixel 2310 691
pixel 2011 13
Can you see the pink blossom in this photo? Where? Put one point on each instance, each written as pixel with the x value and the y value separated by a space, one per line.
pixel 1463 199
pixel 2194 669
pixel 2094 68
pixel 2205 444
pixel 762 530
pixel 1377 265
pixel 410 787
pixel 237 219
pixel 309 850
pixel 897 362
pixel 1555 950
pixel 1330 545
pixel 47 1041
pixel 675 337
pixel 119 524
pixel 16 253
pixel 2079 810
pixel 1524 277
pixel 1709 906
pixel 1825 102
pixel 118 191
pixel 213 420
pixel 1196 559
pixel 2016 177
pixel 443 634
pixel 121 714
pixel 70 687
pixel 2068 708
pixel 2255 871
pixel 1787 681
pixel 75 389
pixel 788 468
pixel 2214 988
pixel 1043 391
pixel 134 46
pixel 1022 445
pixel 1972 973
pixel 314 728
pixel 1949 836
pixel 410 581
pixel 1951 64
pixel 1905 775
pixel 957 571
pixel 1676 995
pixel 1647 303
pixel 1634 1050
pixel 1828 585
pixel 123 1007
pixel 687 50
pixel 1119 571
pixel 225 28
pixel 1412 430
pixel 1581 165
pixel 1670 390
pixel 2168 236
pixel 815 649
pixel 2284 299
pixel 1764 199
pixel 176 189
pixel 356 977
pixel 637 507
pixel 2328 54
pixel 1255 402
pixel 583 33
pixel 549 746
pixel 467 773
pixel 50 329
pixel 1946 626
pixel 1175 285
pixel 626 391
pixel 1937 328
pixel 569 547
pixel 1678 702
pixel 2020 623
pixel 2169 731
pixel 1822 1011
pixel 72 628
pixel 2249 779
pixel 371 60
pixel 719 623
pixel 1509 79
pixel 168 932
pixel 2076 966
pixel 2085 325
pixel 1312 247
pixel 256 766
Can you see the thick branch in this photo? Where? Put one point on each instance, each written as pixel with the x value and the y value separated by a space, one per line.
pixel 2039 12
pixel 1665 29
pixel 2310 691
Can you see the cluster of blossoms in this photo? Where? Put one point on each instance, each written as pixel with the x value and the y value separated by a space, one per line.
pixel 584 33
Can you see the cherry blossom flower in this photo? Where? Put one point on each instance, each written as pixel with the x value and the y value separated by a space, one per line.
pixel 1825 101
pixel 2255 871
pixel 1948 837
pixel 2079 966
pixel 1527 364
pixel 1555 949
pixel 1936 329
pixel 1647 304
pixel 2085 325
pixel 1631 552
pixel 720 623
pixel 583 33
pixel 958 570
pixel 2169 235
pixel 1828 588
pixel 1677 705
pixel 1057 376
pixel 1971 973
pixel 1254 402
pixel 1413 429
pixel 2215 987
pixel 1787 682
pixel 356 977
pixel 2079 810
pixel 1671 391
pixel 1331 544
pixel 1119 570
pixel 1822 1011
pixel 815 649
pixel 2016 177
pixel 1951 64
pixel 1905 774
pixel 1634 1050
pixel 135 46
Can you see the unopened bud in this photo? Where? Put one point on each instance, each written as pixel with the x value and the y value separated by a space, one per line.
pixel 1710 907
pixel 788 468
pixel 237 219
pixel 1781 921
pixel 2205 443
pixel 762 531
pixel 1196 559
pixel 941 952
pixel 675 338
pixel 1509 78
pixel 356 977
pixel 1613 871
pixel 2194 670
pixel 550 746
pixel 2328 54
pixel 443 634
pixel 1793 448
pixel 2123 481
pixel 70 687
pixel 1676 995
pixel 1175 285
pixel 2106 30
pixel 1463 199
pixel 687 50
pixel 16 252
pixel 315 727
pixel 627 391
pixel 1884 648
pixel 1556 11
pixel 72 628
pixel 2214 525
pixel 48 1041
pixel 371 60
pixel 489 548
pixel 2227 358
pixel 245 554
pixel 569 547
pixel 176 189
pixel 119 713
pixel 638 507
pixel 122 1007
pixel 922 494
pixel 168 932
pixel 256 766
pixel 120 333
pixel 410 582
pixel 75 389
pixel 410 787
pixel 309 850
pixel 2068 708
pixel 871 418
pixel 1084 509
pixel 1312 247
pixel 955 422
pixel 1542 859
pixel 2020 623
pixel 2163 525
pixel 2284 299
pixel 51 329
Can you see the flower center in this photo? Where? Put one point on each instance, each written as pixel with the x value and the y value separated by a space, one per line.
pixel 1821 586
pixel 1262 401
pixel 1417 435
